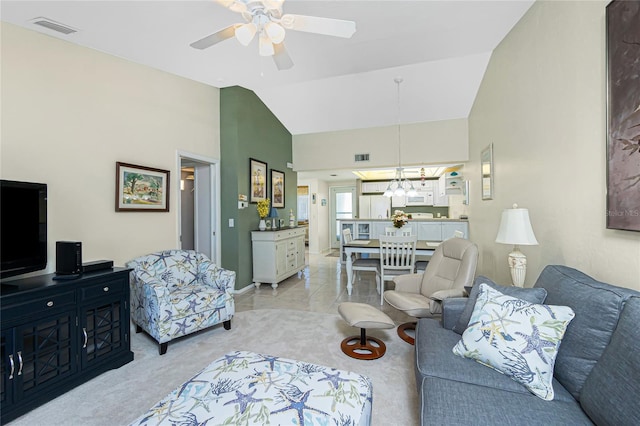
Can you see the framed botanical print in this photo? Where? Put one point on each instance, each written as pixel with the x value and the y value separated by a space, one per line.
pixel 277 188
pixel 257 180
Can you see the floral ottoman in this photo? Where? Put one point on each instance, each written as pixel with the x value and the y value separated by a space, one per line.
pixel 247 388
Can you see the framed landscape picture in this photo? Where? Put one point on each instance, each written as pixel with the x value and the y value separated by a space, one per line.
pixel 277 188
pixel 257 180
pixel 623 115
pixel 141 189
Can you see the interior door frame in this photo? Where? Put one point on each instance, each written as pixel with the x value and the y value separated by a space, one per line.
pixel 210 197
pixel 333 190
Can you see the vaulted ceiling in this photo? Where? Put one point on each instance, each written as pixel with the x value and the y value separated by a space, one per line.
pixel 440 48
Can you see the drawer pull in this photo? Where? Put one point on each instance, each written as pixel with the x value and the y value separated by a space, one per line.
pixel 13 366
pixel 105 289
pixel 50 303
pixel 20 361
pixel 86 338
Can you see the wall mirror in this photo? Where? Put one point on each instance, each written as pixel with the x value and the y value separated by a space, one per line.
pixel 486 166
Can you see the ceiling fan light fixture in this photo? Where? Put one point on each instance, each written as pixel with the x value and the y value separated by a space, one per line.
pixel 273 5
pixel 275 32
pixel 245 33
pixel 235 6
pixel 266 46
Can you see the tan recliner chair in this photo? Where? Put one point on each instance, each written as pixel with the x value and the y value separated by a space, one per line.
pixel 451 268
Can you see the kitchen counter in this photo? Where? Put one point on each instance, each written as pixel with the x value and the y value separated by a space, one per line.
pixel 427 229
pixel 435 219
pixel 285 228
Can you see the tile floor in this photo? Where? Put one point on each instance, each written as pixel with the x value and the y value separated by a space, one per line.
pixel 321 287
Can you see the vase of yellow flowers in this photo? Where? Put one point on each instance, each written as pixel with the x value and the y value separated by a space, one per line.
pixel 399 218
pixel 263 211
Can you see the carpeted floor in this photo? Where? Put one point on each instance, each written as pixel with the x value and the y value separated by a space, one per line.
pixel 120 396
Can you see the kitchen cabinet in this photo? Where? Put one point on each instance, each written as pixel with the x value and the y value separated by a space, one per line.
pixel 277 255
pixel 449 229
pixel 363 231
pixel 373 187
pixel 379 227
pixel 359 231
pixel 440 231
pixel 450 183
pixel 440 197
pixel 428 230
pixel 58 334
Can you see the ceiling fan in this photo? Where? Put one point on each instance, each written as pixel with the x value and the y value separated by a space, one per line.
pixel 265 18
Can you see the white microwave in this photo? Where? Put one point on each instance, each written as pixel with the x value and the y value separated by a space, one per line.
pixel 423 198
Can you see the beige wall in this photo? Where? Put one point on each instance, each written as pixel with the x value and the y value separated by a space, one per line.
pixel 422 143
pixel 69 113
pixel 542 104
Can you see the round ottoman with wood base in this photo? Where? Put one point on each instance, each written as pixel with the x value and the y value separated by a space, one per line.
pixel 363 316
pixel 402 332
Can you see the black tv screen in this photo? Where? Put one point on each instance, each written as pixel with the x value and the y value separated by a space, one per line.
pixel 23 227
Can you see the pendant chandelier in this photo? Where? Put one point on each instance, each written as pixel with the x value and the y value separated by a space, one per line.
pixel 399 185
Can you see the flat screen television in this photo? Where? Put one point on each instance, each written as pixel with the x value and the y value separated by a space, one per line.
pixel 23 227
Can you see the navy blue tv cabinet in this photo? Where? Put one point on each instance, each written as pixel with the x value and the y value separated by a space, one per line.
pixel 57 335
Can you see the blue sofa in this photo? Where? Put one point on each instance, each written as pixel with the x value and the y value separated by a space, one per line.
pixel 597 368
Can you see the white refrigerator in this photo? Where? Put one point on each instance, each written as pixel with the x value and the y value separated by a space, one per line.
pixel 374 207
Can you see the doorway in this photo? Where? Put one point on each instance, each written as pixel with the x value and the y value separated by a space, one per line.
pixel 199 205
pixel 342 208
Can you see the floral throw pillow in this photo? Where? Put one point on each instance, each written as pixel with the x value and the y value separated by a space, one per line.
pixel 516 338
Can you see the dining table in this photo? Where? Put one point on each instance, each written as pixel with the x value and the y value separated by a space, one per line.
pixel 354 247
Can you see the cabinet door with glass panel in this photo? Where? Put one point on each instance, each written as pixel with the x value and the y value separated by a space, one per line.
pixel 363 231
pixel 351 226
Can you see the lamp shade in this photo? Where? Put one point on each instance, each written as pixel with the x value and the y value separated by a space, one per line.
pixel 275 32
pixel 265 46
pixel 273 212
pixel 515 228
pixel 245 33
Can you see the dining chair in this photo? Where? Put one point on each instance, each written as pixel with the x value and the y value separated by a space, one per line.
pixel 397 257
pixel 358 263
pixel 392 230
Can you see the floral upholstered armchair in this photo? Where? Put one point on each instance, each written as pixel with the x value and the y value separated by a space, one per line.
pixel 178 292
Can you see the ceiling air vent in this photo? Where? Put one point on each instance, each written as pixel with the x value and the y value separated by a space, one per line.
pixel 53 25
pixel 361 157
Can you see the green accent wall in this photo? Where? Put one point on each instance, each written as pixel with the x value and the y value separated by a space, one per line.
pixel 248 129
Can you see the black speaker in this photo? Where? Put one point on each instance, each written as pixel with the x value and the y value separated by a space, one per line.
pixel 68 257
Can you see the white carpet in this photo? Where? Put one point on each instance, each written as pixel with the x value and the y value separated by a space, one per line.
pixel 120 396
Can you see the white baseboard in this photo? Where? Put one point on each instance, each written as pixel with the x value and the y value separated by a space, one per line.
pixel 245 289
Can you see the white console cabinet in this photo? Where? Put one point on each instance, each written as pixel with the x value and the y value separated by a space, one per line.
pixel 277 255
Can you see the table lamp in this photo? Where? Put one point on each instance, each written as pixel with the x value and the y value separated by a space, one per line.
pixel 515 228
pixel 273 215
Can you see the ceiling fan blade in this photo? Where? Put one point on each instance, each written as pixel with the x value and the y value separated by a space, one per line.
pixel 315 24
pixel 225 3
pixel 215 38
pixel 281 57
